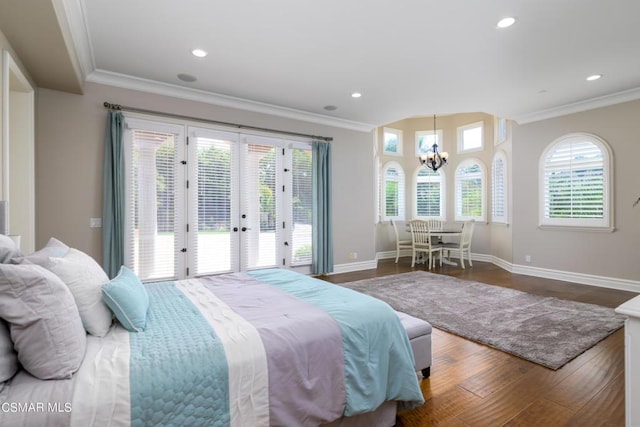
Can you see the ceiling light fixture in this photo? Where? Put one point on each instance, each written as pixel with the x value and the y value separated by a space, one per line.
pixel 594 77
pixel 434 160
pixel 506 22
pixel 199 53
pixel 356 95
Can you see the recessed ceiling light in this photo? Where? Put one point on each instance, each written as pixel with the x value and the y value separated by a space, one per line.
pixel 506 22
pixel 356 95
pixel 594 77
pixel 199 53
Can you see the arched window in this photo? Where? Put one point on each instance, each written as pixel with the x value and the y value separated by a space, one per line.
pixel 429 194
pixel 470 191
pixel 575 183
pixel 499 188
pixel 393 192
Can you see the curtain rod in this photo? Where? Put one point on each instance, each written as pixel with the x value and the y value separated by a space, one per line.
pixel 216 122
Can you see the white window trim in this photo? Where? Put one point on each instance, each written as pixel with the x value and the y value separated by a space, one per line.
pixel 500 155
pixel 439 140
pixel 498 124
pixel 443 204
pixel 401 192
pixel 398 133
pixel 482 217
pixel 460 133
pixel 573 224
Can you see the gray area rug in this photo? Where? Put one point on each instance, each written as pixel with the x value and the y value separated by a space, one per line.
pixel 548 331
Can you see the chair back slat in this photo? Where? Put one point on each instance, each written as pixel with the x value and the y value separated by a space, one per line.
pixel 419 232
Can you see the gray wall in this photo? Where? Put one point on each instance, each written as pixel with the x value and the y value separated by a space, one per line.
pixel 69 145
pixel 69 150
pixel 601 254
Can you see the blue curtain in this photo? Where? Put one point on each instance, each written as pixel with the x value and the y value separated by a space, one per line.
pixel 322 259
pixel 113 197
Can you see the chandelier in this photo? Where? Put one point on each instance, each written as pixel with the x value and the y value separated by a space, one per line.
pixel 433 159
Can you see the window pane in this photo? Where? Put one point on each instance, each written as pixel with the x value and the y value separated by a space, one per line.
pixel 151 200
pixel 390 142
pixel 213 238
pixel 472 138
pixel 428 194
pixel 469 192
pixel 574 181
pixel 498 204
pixel 302 206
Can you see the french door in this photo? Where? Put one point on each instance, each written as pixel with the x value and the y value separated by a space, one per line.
pixel 222 202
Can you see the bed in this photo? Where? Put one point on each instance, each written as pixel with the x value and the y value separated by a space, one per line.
pixel 268 347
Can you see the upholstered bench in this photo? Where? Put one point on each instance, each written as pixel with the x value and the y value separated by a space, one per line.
pixel 419 332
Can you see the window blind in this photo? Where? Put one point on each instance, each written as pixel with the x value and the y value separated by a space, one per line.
pixel 498 190
pixel 213 242
pixel 301 206
pixel 574 181
pixel 151 204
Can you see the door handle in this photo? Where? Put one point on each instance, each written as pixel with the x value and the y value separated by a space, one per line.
pixel 245 229
pixel 235 229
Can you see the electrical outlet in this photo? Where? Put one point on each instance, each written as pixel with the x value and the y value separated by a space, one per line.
pixel 527 258
pixel 353 255
pixel 95 222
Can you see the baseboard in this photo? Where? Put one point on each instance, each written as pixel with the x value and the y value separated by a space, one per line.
pixel 584 279
pixel 356 266
pixel 566 276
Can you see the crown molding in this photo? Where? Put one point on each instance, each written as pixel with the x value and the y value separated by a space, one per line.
pixel 135 83
pixel 72 21
pixel 577 107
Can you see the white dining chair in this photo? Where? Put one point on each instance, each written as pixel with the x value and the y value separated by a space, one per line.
pixel 464 245
pixel 435 225
pixel 422 242
pixel 400 244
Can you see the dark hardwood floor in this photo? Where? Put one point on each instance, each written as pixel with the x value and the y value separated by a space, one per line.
pixel 475 385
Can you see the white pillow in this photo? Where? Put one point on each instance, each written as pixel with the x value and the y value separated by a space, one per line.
pixel 84 277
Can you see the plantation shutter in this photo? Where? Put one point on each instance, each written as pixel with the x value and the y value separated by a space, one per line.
pixel 469 192
pixel 428 193
pixel 574 181
pixel 394 192
pixel 498 199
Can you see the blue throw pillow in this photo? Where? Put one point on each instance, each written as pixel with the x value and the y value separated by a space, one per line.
pixel 127 297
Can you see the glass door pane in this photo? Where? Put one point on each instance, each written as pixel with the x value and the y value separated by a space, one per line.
pixel 213 209
pixel 301 206
pixel 261 190
pixel 152 155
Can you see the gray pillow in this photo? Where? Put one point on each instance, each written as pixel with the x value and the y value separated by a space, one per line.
pixel 8 357
pixel 44 321
pixel 8 249
pixel 54 248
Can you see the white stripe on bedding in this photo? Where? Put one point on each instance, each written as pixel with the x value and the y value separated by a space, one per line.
pixel 246 357
pixel 101 395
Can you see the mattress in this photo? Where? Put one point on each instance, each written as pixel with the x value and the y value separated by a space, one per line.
pixel 269 347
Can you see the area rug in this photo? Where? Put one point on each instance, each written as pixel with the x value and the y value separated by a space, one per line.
pixel 548 331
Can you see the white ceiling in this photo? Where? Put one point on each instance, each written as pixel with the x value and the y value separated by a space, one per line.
pixel 408 58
